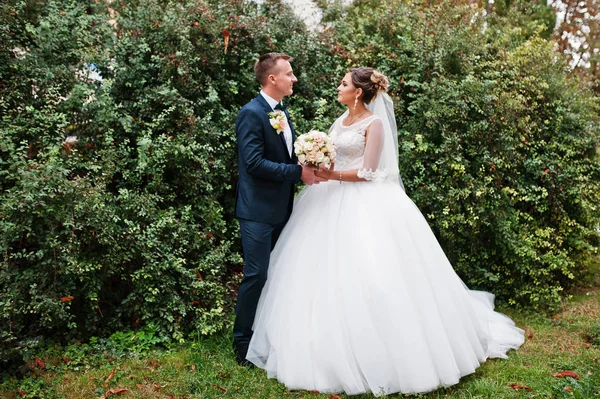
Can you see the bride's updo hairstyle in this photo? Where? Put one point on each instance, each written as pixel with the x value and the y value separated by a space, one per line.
pixel 370 81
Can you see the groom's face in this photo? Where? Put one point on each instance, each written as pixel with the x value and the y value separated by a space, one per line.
pixel 283 78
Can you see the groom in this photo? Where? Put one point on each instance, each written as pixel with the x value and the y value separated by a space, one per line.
pixel 268 171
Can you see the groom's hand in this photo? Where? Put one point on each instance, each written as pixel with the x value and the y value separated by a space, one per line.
pixel 308 175
pixel 323 173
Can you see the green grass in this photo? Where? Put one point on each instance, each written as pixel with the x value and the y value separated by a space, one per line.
pixel 206 368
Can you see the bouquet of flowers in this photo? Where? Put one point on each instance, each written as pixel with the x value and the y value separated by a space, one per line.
pixel 315 148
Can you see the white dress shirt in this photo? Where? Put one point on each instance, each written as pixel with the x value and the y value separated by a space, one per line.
pixel 287 132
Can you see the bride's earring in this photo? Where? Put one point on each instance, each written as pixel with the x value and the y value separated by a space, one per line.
pixel 355 102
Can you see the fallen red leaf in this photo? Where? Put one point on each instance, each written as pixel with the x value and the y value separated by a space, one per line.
pixel 568 389
pixel 199 275
pixel 39 363
pixel 110 377
pixel 334 397
pixel 530 335
pixel 220 387
pixel 67 298
pixel 115 391
pixel 21 392
pixel 567 373
pixel 66 359
pixel 153 363
pixel 518 387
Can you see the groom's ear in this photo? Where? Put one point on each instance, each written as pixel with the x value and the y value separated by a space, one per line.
pixel 271 78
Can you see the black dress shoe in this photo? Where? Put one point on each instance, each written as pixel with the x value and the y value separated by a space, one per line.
pixel 241 350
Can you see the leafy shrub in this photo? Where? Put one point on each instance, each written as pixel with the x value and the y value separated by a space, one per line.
pixel 117 192
pixel 497 145
pixel 116 207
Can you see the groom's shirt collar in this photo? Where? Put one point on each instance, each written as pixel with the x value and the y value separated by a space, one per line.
pixel 272 102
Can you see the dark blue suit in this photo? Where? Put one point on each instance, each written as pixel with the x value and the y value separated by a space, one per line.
pixel 264 200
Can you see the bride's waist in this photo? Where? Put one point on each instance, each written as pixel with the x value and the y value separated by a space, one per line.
pixel 347 165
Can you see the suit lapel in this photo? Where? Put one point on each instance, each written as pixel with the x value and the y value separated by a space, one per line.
pixel 285 147
pixel 291 125
pixel 261 100
pixel 293 133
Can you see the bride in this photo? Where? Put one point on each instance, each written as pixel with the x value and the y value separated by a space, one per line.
pixel 360 296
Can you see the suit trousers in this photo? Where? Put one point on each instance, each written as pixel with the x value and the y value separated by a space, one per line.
pixel 258 239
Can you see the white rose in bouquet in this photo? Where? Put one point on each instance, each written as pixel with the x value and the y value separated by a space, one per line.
pixel 315 148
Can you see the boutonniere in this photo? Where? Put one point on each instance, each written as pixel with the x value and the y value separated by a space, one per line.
pixel 277 120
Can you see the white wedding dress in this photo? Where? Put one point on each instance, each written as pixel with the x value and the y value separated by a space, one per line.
pixel 361 298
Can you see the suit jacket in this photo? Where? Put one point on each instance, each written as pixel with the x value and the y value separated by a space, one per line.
pixel 267 173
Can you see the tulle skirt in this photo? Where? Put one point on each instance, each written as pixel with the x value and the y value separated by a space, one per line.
pixel 361 298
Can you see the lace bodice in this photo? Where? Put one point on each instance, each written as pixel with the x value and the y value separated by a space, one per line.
pixel 350 142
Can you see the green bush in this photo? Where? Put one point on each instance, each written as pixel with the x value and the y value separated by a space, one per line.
pixel 116 209
pixel 117 193
pixel 497 145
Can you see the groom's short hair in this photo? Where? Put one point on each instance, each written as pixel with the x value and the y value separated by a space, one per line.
pixel 266 64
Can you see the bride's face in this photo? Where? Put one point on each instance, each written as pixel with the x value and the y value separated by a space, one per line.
pixel 346 90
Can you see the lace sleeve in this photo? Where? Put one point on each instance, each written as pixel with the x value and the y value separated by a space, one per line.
pixel 373 150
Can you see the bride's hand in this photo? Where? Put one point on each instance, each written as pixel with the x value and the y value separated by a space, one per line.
pixel 309 176
pixel 323 173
